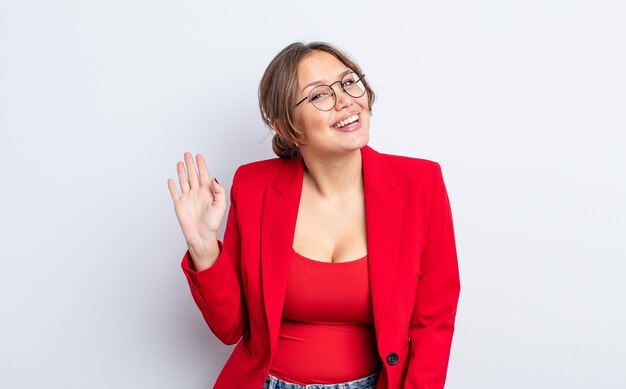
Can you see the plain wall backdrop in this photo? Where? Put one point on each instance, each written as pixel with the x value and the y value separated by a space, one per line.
pixel 522 102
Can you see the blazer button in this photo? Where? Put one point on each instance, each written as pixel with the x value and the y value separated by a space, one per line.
pixel 392 358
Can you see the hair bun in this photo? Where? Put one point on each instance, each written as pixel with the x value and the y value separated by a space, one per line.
pixel 284 149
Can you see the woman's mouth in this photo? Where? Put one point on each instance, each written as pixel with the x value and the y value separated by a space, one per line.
pixel 349 124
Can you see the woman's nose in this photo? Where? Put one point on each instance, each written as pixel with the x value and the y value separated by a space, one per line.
pixel 343 99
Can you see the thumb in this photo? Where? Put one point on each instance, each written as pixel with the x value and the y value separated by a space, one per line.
pixel 219 191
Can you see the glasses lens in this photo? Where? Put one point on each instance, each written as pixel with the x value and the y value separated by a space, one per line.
pixel 353 85
pixel 322 97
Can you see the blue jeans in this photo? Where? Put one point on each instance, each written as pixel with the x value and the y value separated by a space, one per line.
pixel 368 382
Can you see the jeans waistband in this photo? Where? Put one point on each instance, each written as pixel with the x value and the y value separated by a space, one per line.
pixel 368 382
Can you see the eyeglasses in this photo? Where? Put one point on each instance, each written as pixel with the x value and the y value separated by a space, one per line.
pixel 323 97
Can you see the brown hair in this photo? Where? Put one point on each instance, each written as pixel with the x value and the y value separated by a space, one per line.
pixel 278 89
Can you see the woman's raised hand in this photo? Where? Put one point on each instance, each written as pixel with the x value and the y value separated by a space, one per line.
pixel 199 209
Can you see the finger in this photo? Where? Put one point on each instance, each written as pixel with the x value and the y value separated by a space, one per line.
pixel 182 177
pixel 205 177
pixel 219 192
pixel 192 173
pixel 173 191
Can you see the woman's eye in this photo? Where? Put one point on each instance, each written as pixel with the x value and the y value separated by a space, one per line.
pixel 348 82
pixel 317 96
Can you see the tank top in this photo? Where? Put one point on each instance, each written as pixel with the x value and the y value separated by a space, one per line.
pixel 326 334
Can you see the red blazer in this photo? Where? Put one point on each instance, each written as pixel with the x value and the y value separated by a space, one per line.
pixel 412 268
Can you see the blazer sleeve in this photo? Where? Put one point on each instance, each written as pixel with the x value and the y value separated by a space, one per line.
pixel 218 290
pixel 432 323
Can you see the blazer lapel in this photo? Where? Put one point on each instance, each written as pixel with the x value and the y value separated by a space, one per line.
pixel 278 223
pixel 383 209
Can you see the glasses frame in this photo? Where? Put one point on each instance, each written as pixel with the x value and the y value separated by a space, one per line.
pixel 360 78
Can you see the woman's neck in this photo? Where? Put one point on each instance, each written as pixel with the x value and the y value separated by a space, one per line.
pixel 338 176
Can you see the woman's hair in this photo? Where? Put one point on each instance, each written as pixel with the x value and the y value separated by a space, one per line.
pixel 278 91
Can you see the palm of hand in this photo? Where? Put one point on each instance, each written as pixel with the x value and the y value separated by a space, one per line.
pixel 201 206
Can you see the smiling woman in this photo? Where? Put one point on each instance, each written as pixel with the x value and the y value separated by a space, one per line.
pixel 338 266
pixel 296 76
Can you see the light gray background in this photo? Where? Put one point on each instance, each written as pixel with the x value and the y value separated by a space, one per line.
pixel 522 102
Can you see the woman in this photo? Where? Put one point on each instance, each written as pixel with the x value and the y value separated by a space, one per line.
pixel 338 266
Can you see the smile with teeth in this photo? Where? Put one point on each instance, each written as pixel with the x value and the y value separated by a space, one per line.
pixel 347 121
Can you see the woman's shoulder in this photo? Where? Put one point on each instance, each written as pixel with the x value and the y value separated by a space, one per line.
pixel 261 172
pixel 264 166
pixel 412 173
pixel 411 161
pixel 403 164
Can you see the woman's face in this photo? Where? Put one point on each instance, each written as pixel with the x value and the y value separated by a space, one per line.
pixel 323 131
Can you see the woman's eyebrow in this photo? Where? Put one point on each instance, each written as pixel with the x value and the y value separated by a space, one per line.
pixel 322 81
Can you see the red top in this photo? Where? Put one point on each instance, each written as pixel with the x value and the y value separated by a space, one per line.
pixel 326 334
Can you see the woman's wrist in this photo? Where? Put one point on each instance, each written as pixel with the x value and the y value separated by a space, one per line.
pixel 204 256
